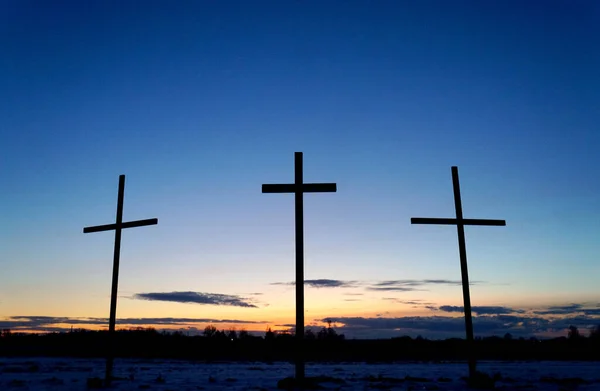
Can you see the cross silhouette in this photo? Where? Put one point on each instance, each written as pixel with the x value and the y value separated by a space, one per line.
pixel 460 223
pixel 117 227
pixel 299 188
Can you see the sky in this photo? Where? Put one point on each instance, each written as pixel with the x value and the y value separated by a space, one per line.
pixel 199 103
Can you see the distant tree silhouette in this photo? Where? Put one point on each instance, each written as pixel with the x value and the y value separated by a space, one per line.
pixel 508 336
pixel 210 331
pixel 328 333
pixel 285 335
pixel 309 334
pixel 243 334
pixel 269 334
pixel 232 334
pixel 221 334
pixel 573 333
pixel 595 333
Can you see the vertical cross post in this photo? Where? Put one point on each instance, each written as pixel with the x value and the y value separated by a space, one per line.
pixel 299 220
pixel 460 223
pixel 299 188
pixel 117 227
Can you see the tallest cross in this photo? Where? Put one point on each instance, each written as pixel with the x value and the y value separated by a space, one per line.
pixel 299 188
pixel 117 227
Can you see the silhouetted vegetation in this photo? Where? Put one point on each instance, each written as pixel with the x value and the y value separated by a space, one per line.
pixel 323 345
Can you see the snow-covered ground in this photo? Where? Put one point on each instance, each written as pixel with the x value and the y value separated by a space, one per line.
pixel 58 374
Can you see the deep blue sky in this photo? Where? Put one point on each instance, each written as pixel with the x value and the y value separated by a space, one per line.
pixel 200 102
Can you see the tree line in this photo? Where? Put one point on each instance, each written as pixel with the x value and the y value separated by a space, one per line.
pixel 323 345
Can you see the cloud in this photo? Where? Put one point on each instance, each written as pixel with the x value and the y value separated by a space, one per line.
pixel 422 282
pixel 449 308
pixel 487 321
pixel 435 323
pixel 412 285
pixel 17 321
pixel 482 310
pixel 160 321
pixel 399 283
pixel 560 310
pixel 393 289
pixel 570 309
pixel 451 327
pixel 291 325
pixel 353 294
pixel 382 286
pixel 196 298
pixel 414 302
pixel 323 283
pixel 49 323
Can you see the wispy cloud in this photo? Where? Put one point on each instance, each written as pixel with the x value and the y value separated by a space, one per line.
pixel 560 310
pixel 414 302
pixel 197 298
pixel 419 283
pixel 49 323
pixel 286 325
pixel 382 286
pixel 482 310
pixel 410 285
pixel 574 309
pixel 323 283
pixel 39 321
pixel 394 289
pixel 570 309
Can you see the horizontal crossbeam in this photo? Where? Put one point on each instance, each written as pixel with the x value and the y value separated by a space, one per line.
pixel 129 224
pixel 306 188
pixel 441 221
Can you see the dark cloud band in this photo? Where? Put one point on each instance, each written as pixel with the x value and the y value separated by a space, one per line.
pixel 196 298
pixel 482 310
pixel 41 323
pixel 384 286
pixel 322 283
pixel 452 327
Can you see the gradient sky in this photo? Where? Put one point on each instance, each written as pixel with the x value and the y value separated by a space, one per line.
pixel 201 102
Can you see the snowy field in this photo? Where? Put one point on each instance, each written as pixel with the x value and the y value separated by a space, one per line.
pixel 58 374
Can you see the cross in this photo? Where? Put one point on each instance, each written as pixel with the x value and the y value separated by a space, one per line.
pixel 299 188
pixel 117 227
pixel 460 223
